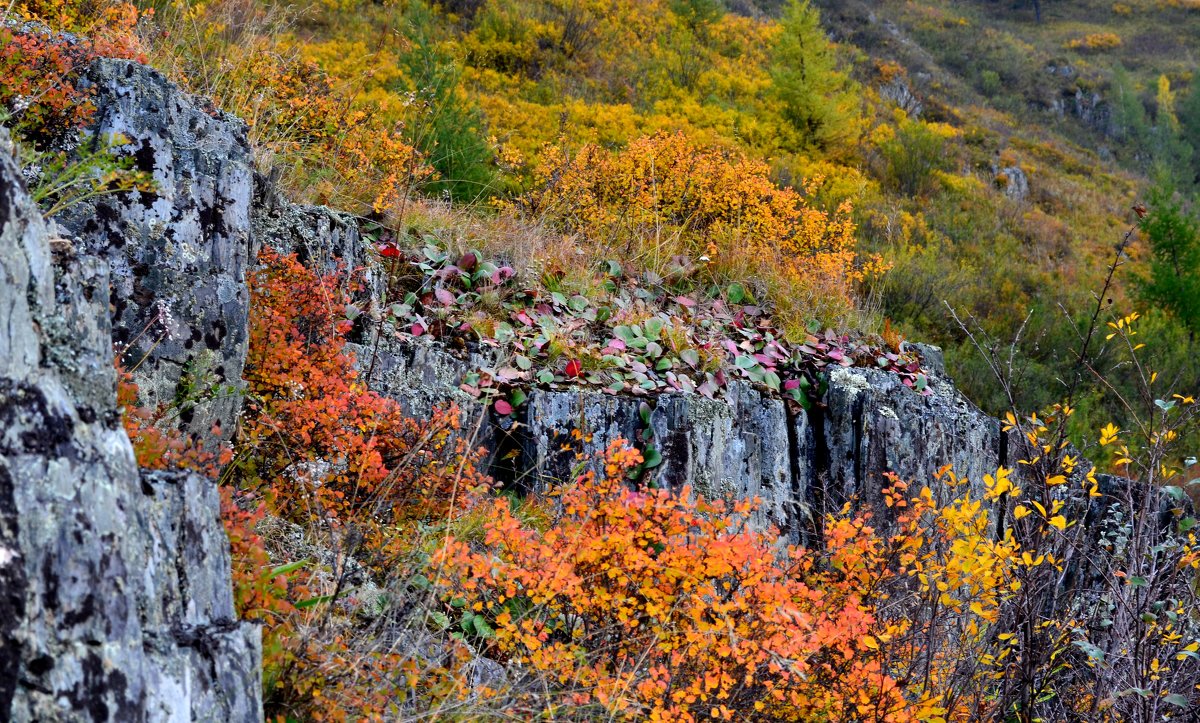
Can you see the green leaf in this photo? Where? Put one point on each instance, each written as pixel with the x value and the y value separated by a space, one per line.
pixel 1094 653
pixel 289 567
pixel 517 398
pixel 653 328
pixel 523 362
pixel 545 376
pixel 691 357
pixel 1177 700
pixel 439 619
pixel 482 628
pixel 736 293
pixel 320 599
pixel 653 458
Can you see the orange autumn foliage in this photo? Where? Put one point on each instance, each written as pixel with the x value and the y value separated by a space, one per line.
pixel 157 444
pixel 40 69
pixel 314 436
pixel 660 606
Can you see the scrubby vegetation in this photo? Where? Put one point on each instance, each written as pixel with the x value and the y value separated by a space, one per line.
pixel 661 195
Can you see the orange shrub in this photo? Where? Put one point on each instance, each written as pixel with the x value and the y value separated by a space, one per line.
pixel 652 605
pixel 39 68
pixel 324 445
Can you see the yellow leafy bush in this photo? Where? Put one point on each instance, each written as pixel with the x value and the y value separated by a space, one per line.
pixel 1095 41
pixel 666 195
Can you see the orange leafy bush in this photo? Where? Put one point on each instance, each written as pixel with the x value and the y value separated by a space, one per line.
pixel 156 444
pixel 319 449
pixel 659 606
pixel 39 68
pixel 322 442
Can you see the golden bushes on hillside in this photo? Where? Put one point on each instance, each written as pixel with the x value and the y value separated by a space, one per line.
pixel 665 195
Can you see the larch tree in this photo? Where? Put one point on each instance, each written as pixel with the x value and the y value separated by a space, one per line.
pixel 817 98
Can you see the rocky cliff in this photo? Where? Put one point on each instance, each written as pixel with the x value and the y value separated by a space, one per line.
pixel 116 597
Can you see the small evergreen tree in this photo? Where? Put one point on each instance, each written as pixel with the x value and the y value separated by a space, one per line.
pixel 819 100
pixel 1129 115
pixel 448 129
pixel 1174 238
pixel 1171 151
pixel 1189 121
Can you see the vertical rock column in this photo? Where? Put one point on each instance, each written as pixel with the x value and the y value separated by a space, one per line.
pixel 177 252
pixel 115 595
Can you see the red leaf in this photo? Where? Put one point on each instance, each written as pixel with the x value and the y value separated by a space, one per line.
pixel 503 407
pixel 388 250
pixel 445 297
pixel 574 369
pixel 418 328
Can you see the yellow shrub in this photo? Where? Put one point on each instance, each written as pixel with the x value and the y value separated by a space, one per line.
pixel 665 195
pixel 1095 41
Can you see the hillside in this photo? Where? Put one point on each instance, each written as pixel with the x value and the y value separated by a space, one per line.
pixel 571 360
pixel 993 175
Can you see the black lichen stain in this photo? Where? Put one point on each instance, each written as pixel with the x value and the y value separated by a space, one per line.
pixel 45 431
pixel 13 585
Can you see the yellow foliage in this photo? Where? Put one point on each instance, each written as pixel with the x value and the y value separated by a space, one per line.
pixel 666 195
pixel 1095 41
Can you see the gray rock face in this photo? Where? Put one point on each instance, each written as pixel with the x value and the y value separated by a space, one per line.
pixel 873 425
pixel 1015 182
pixel 565 431
pixel 321 238
pixel 746 444
pixel 739 447
pixel 115 596
pixel 178 254
pixel 422 376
